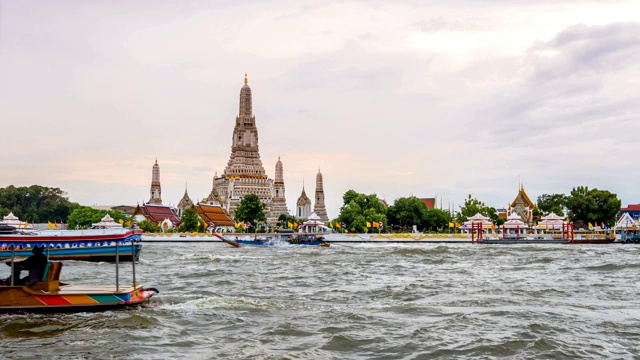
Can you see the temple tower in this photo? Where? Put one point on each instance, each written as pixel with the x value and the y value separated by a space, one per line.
pixel 185 203
pixel 523 206
pixel 279 206
pixel 156 191
pixel 319 208
pixel 244 173
pixel 303 206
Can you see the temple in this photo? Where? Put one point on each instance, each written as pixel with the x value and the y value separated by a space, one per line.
pixel 523 206
pixel 244 173
pixel 153 210
pixel 156 191
pixel 319 208
pixel 303 206
pixel 185 203
pixel 279 204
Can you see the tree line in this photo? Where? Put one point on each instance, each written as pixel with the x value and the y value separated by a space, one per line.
pixel 38 204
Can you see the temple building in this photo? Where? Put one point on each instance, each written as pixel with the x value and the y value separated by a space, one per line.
pixel 153 210
pixel 244 173
pixel 279 204
pixel 523 206
pixel 303 206
pixel 212 212
pixel 156 191
pixel 319 208
pixel 185 203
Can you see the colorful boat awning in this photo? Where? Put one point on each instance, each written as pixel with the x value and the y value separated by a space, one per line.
pixel 70 238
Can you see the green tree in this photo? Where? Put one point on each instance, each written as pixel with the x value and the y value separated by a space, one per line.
pixel 251 209
pixel 409 211
pixel 148 226
pixel 437 220
pixel 189 221
pixel 36 203
pixel 592 206
pixel 471 207
pixel 551 203
pixel 358 209
pixel 83 216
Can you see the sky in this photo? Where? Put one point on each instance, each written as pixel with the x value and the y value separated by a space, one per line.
pixel 418 98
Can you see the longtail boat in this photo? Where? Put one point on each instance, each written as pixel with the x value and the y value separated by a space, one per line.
pixel 87 245
pixel 237 240
pixel 51 295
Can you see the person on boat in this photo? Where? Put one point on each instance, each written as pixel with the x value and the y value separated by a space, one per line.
pixel 35 264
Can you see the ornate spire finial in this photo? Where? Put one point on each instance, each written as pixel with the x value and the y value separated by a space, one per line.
pixel 278 157
pixel 246 79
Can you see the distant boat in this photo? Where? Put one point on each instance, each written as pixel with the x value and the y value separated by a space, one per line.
pixel 274 239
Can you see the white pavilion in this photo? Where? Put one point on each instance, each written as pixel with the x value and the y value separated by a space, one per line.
pixel 313 225
pixel 13 220
pixel 106 222
pixel 514 226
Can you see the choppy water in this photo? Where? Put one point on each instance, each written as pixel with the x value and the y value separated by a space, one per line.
pixel 360 301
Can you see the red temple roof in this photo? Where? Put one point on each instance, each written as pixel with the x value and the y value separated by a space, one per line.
pixel 158 213
pixel 631 207
pixel 215 214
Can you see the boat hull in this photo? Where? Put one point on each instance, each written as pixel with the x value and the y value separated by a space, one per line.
pixel 16 299
pixel 84 253
pixel 281 242
pixel 523 241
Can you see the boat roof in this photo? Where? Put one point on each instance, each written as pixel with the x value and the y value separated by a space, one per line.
pixel 68 238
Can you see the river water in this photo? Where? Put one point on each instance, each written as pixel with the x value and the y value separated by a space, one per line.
pixel 355 301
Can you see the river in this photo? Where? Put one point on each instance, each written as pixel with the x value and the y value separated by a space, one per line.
pixel 353 301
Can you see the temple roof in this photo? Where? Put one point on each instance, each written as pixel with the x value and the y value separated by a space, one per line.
pixel 214 213
pixel 158 213
pixel 303 199
pixel 523 198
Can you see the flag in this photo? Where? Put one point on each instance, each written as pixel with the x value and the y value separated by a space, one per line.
pixel 63 225
pixel 26 223
pixel 243 225
pixel 159 223
pixel 248 224
pixel 212 224
pixel 381 224
pixel 590 225
pixel 343 225
pixel 493 226
pixel 368 224
pixel 50 224
pixel 235 224
pixel 295 224
pixel 337 225
pixel 121 221
pixel 128 223
pixel 376 224
pixel 547 227
pixel 602 225
pixel 331 225
pixel 450 224
pixel 458 225
pixel 290 224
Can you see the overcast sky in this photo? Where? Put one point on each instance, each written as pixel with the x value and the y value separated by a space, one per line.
pixel 398 98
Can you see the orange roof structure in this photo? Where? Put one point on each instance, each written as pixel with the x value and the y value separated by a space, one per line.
pixel 429 202
pixel 158 213
pixel 214 214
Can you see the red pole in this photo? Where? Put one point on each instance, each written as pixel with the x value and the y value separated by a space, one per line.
pixel 473 232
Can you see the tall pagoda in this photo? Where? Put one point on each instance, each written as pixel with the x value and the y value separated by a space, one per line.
pixel 156 190
pixel 279 205
pixel 244 173
pixel 319 208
